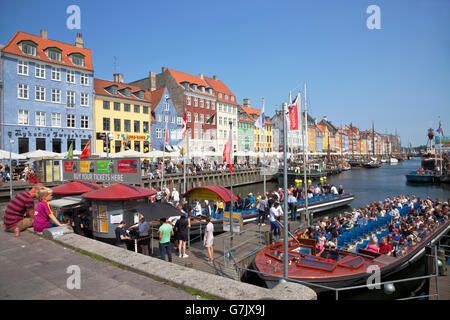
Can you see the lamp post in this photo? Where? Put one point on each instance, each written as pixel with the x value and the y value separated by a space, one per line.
pixel 109 137
pixel 11 141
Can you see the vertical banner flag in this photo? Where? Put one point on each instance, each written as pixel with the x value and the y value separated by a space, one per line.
pixel 86 151
pixel 260 122
pixel 228 152
pixel 70 152
pixel 166 138
pixel 439 130
pixel 184 124
pixel 293 114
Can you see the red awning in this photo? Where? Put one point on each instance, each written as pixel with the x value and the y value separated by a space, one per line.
pixel 75 187
pixel 119 192
pixel 216 193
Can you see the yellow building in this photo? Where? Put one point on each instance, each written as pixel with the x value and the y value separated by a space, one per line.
pixel 125 111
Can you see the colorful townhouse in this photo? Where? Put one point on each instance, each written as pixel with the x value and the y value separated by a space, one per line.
pixel 165 115
pixel 47 94
pixel 294 137
pixel 246 131
pixel 227 111
pixel 259 135
pixel 195 96
pixel 332 135
pixel 125 111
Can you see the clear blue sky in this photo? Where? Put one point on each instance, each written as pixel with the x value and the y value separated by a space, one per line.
pixel 398 76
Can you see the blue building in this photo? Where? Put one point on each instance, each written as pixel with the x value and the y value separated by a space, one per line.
pixel 47 96
pixel 163 111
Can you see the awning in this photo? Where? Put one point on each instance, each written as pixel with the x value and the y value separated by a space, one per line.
pixel 76 187
pixel 169 148
pixel 66 202
pixel 119 192
pixel 215 193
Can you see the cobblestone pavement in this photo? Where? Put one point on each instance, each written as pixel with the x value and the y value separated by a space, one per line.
pixel 36 268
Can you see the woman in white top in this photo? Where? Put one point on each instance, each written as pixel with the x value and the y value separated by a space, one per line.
pixel 208 240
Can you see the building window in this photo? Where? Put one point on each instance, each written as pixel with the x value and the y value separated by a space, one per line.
pixel 137 126
pixel 158 117
pixel 166 118
pixel 195 117
pixel 117 124
pixel 117 106
pixel 84 99
pixel 126 107
pixel 29 49
pixel 56 119
pixel 40 71
pixel 232 98
pixel 137 146
pixel 70 76
pixel 23 117
pixel 202 118
pixel 158 133
pixel 78 60
pixel 56 74
pixel 195 102
pixel 70 120
pixel 201 103
pixel 117 146
pixel 22 91
pixel 188 116
pixel 22 68
pixel 220 95
pixel 23 145
pixel 172 119
pixel 127 125
pixel 40 118
pixel 188 100
pixel 145 127
pixel 54 55
pixel 226 97
pixel 213 105
pixel 106 105
pixel 56 95
pixel 207 104
pixel 106 124
pixel 145 109
pixel 220 121
pixel 166 106
pixel 84 79
pixel 71 99
pixel 40 93
pixel 84 122
pixel 40 144
pixel 179 120
pixel 137 108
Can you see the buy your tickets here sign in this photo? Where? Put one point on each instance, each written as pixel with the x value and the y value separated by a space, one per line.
pixel 101 170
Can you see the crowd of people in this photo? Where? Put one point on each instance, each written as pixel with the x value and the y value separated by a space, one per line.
pixel 19 173
pixel 404 231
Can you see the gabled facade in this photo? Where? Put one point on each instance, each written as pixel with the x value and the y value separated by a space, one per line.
pixel 294 137
pixel 47 94
pixel 246 132
pixel 259 135
pixel 164 112
pixel 125 111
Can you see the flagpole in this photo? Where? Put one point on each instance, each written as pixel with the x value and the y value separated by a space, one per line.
pixel 264 151
pixel 305 159
pixel 164 152
pixel 184 170
pixel 231 186
pixel 285 233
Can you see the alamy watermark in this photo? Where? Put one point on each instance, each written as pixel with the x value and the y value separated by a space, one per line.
pixel 74 20
pixel 74 280
pixel 374 20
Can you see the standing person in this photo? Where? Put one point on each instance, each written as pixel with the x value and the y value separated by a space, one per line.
pixel 262 211
pixel 275 212
pixel 165 232
pixel 20 206
pixel 175 197
pixel 182 225
pixel 44 217
pixel 208 240
pixel 292 202
pixel 143 228
pixel 121 235
pixel 219 209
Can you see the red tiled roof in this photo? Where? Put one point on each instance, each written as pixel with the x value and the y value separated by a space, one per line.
pixel 156 96
pixel 181 77
pixel 219 86
pixel 42 44
pixel 100 85
pixel 119 192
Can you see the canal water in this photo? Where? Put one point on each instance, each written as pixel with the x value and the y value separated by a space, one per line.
pixel 369 185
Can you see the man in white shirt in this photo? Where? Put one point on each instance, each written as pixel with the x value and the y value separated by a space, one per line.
pixel 334 190
pixel 175 197
pixel 198 209
pixel 274 213
pixel 317 191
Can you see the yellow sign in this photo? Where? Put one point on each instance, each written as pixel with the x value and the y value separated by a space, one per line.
pixel 237 220
pixel 84 166
pixel 104 226
pixel 204 194
pixel 102 212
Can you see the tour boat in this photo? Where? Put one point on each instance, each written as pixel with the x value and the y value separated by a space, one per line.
pixel 393 161
pixel 346 266
pixel 414 176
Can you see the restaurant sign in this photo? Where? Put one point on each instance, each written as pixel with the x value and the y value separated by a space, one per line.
pixel 103 170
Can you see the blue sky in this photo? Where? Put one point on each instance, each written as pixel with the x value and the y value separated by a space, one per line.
pixel 398 76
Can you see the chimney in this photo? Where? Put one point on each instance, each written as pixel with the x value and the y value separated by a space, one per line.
pixel 44 34
pixel 79 41
pixel 201 76
pixel 215 77
pixel 246 102
pixel 118 77
pixel 152 80
pixel 163 69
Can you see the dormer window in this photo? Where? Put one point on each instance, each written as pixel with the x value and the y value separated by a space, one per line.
pixel 226 97
pixel 202 89
pixel 194 87
pixel 139 94
pixel 29 47
pixel 112 89
pixel 232 98
pixel 78 59
pixel 54 54
pixel 125 91
pixel 210 91
pixel 220 95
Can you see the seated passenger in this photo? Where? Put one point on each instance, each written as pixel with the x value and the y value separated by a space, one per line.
pixel 44 217
pixel 349 224
pixel 401 248
pixel 373 245
pixel 385 247
pixel 320 244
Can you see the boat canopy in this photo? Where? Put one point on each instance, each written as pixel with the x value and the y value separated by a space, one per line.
pixel 216 193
